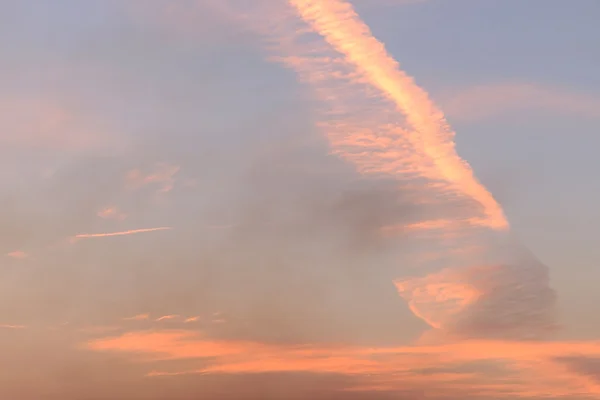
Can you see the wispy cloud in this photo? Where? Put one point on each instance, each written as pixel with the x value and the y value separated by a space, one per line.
pixel 341 27
pixel 420 150
pixel 121 233
pixel 494 100
pixel 139 317
pixel 386 3
pixel 311 270
pixel 9 326
pixel 491 368
pixel 111 213
pixel 167 317
pixel 163 176
pixel 18 254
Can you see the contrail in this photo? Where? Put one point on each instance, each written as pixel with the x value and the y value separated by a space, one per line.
pixel 495 298
pixel 122 233
pixel 341 27
pixel 470 284
pixel 8 326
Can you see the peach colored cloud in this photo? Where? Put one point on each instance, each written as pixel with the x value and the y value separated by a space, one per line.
pixel 375 117
pixel 162 176
pixel 485 300
pixel 439 297
pixel 139 317
pixel 342 28
pixel 166 317
pixel 486 101
pixel 491 367
pixel 9 326
pixel 120 233
pixel 111 213
pixel 385 3
pixel 18 254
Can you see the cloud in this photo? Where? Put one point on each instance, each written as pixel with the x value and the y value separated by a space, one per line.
pixel 9 326
pixel 584 368
pixel 419 152
pixel 139 317
pixel 490 301
pixel 121 233
pixel 167 317
pixel 486 368
pixel 304 273
pixel 111 213
pixel 494 100
pixel 162 176
pixel 17 254
pixel 429 134
pixel 385 3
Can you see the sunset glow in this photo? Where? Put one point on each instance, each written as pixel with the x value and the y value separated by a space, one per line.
pixel 299 199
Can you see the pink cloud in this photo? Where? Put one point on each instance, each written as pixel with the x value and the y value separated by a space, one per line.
pixel 162 176
pixel 485 101
pixel 166 317
pixel 9 326
pixel 139 317
pixel 111 213
pixel 17 254
pixel 522 369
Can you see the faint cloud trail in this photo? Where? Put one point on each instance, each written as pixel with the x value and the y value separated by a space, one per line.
pixel 17 254
pixel 122 233
pixel 8 326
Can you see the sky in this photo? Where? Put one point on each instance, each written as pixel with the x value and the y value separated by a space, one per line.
pixel 292 199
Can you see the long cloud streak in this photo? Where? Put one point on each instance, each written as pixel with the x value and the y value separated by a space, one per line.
pixel 122 233
pixel 485 368
pixel 364 89
pixel 337 22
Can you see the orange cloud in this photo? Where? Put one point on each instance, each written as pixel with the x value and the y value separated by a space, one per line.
pixel 122 233
pixel 380 121
pixel 484 301
pixel 139 317
pixel 438 298
pixel 17 254
pixel 8 326
pixel 519 368
pixel 341 27
pixel 163 176
pixel 111 213
pixel 166 318
pixel 169 345
pixel 377 3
